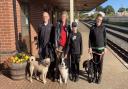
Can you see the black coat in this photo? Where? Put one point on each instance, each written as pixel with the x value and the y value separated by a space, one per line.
pixel 44 33
pixel 75 44
pixel 97 36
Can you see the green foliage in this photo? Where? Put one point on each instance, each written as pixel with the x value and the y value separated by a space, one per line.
pixel 121 9
pixel 99 8
pixel 92 17
pixel 127 9
pixel 109 10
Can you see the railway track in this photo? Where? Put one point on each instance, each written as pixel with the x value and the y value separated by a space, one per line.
pixel 121 52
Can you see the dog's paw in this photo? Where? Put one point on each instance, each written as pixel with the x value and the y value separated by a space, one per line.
pixel 65 82
pixel 37 78
pixel 60 82
pixel 44 82
pixel 31 80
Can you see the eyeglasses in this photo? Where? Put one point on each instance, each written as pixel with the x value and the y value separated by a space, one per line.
pixel 99 19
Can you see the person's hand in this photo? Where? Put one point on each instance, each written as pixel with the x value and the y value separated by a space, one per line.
pixel 56 49
pixel 40 49
pixel 65 57
pixel 90 50
pixel 105 50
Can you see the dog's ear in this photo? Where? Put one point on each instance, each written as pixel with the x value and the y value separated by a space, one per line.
pixel 84 64
pixel 47 60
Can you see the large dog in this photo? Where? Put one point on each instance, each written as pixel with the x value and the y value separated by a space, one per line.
pixel 63 69
pixel 88 65
pixel 42 68
pixel 92 68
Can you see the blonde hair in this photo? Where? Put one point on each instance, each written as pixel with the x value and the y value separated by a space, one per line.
pixel 65 13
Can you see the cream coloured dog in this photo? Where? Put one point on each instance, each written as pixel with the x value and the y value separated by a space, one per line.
pixel 42 68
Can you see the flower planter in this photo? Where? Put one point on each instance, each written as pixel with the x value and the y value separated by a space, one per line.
pixel 17 71
pixel 17 66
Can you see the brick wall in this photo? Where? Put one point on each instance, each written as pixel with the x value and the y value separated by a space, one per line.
pixel 35 20
pixel 7 28
pixel 10 25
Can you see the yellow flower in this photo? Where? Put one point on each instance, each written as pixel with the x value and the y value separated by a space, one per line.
pixel 13 61
pixel 26 57
pixel 16 58
pixel 19 58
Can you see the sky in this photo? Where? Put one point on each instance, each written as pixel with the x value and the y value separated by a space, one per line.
pixel 116 4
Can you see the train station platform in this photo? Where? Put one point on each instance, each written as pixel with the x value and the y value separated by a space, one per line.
pixel 115 74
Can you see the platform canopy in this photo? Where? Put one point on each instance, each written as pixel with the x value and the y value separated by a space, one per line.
pixel 78 4
pixel 69 5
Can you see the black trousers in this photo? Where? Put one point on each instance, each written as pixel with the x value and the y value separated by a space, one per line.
pixel 43 52
pixel 75 58
pixel 97 64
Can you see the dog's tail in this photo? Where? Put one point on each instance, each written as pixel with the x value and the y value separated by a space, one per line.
pixel 32 58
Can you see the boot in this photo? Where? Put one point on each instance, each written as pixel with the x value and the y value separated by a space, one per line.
pixel 73 77
pixel 99 80
pixel 76 78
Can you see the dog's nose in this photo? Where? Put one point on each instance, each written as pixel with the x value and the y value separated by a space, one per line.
pixel 62 64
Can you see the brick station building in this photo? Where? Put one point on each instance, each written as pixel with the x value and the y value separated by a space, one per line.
pixel 19 20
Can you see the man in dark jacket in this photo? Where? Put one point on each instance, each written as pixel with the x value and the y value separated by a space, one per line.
pixel 97 46
pixel 75 47
pixel 44 31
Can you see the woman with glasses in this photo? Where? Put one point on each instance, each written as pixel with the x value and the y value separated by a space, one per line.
pixel 97 46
